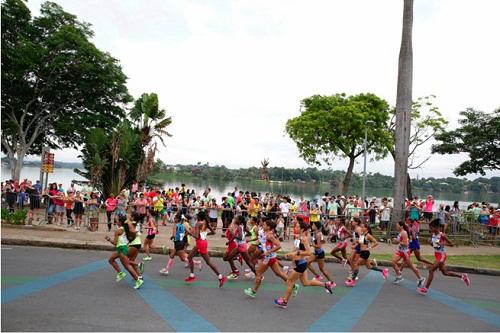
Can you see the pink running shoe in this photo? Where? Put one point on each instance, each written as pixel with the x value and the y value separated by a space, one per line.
pixel 190 279
pixel 422 291
pixel 329 286
pixel 385 273
pixel 281 303
pixel 318 278
pixel 350 283
pixel 466 279
pixel 222 281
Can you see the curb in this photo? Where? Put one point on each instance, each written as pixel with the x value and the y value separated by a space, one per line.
pixel 213 253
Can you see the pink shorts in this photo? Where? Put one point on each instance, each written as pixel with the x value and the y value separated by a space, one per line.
pixel 341 245
pixel 202 246
pixel 270 261
pixel 231 247
pixel 403 254
pixel 440 256
pixel 242 247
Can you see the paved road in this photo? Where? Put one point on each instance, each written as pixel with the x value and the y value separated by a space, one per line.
pixel 45 289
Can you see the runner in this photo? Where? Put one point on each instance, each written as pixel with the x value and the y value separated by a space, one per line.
pixel 237 246
pixel 253 230
pixel 342 235
pixel 121 239
pixel 151 233
pixel 414 230
pixel 271 245
pixel 403 252
pixel 366 242
pixel 355 247
pixel 438 241
pixel 300 258
pixel 319 254
pixel 179 236
pixel 200 234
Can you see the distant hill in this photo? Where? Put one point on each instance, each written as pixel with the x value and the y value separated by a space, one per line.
pixel 58 165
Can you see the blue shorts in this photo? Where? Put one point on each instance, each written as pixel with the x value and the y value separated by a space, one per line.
pixel 414 245
pixel 357 248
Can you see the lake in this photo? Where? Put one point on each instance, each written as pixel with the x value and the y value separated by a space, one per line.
pixel 295 190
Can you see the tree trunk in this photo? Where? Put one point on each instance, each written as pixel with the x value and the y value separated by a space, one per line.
pixel 403 109
pixel 16 164
pixel 348 176
pixel 409 192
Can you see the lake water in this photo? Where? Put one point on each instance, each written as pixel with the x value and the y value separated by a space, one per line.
pixel 308 191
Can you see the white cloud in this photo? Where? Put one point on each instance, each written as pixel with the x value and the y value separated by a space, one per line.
pixel 231 73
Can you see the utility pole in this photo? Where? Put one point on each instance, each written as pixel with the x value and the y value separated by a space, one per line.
pixel 368 122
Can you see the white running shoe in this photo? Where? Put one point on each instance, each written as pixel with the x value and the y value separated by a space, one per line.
pixel 164 271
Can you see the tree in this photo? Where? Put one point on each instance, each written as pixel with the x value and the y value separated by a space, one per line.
pixel 335 125
pixel 426 121
pixel 112 157
pixel 56 85
pixel 151 122
pixel 264 172
pixel 478 136
pixel 403 110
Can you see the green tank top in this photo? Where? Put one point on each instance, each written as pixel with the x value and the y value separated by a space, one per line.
pixel 253 235
pixel 122 239
pixel 136 241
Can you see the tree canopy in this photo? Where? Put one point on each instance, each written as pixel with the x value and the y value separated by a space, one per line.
pixel 479 136
pixel 335 125
pixel 56 85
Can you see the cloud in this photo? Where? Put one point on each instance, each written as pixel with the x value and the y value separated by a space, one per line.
pixel 231 73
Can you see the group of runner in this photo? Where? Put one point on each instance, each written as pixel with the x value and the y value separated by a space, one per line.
pixel 256 243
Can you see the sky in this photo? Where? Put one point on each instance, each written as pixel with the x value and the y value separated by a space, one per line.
pixel 231 73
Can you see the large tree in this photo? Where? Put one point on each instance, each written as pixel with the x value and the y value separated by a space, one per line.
pixel 403 111
pixel 56 85
pixel 426 121
pixel 478 136
pixel 335 125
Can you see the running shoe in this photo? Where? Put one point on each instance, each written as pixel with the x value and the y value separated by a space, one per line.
pixel 232 276
pixel 421 282
pixel 237 272
pixel 163 249
pixel 295 290
pixel 141 267
pixel 350 283
pixel 148 258
pixel 247 270
pixel 318 278
pixel 344 262
pixel 385 273
pixel 249 292
pixel 329 286
pixel 286 269
pixel 249 275
pixel 222 281
pixel 190 279
pixel 281 303
pixel 422 291
pixel 164 271
pixel 120 276
pixel 398 279
pixel 466 279
pixel 138 283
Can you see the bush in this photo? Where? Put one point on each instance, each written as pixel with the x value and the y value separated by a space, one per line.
pixel 17 217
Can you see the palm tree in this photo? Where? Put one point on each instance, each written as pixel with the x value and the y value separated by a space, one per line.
pixel 151 123
pixel 403 111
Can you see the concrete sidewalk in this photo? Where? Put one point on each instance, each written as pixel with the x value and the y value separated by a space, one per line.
pixel 57 236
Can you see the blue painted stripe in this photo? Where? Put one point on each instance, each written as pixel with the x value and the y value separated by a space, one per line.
pixel 346 313
pixel 457 304
pixel 177 314
pixel 11 294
